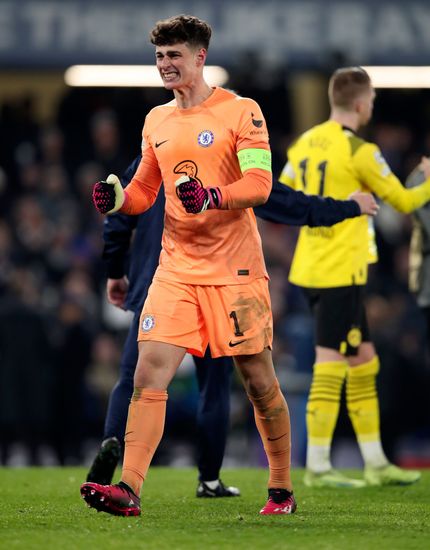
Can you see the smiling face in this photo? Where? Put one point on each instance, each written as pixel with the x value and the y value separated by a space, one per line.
pixel 179 65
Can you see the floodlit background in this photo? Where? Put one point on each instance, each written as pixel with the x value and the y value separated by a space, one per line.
pixel 60 342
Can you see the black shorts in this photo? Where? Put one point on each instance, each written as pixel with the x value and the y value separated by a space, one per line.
pixel 340 317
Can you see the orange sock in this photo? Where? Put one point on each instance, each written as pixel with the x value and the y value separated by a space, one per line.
pixel 272 419
pixel 145 426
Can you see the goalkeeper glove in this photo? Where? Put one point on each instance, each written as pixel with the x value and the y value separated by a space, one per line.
pixel 196 198
pixel 108 196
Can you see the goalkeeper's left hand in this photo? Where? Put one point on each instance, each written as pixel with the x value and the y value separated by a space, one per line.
pixel 196 198
pixel 108 196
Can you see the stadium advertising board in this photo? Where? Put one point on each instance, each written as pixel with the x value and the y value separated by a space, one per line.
pixel 37 33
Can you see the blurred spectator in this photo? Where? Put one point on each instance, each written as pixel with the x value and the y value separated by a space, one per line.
pixel 51 145
pixel 26 368
pixel 73 341
pixel 106 142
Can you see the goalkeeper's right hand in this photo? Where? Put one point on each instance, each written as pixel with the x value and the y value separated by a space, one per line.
pixel 108 196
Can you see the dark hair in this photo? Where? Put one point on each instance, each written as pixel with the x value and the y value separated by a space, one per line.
pixel 346 85
pixel 180 29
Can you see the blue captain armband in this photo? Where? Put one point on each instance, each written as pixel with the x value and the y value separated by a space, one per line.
pixel 255 158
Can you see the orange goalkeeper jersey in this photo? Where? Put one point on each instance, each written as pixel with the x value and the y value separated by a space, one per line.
pixel 222 142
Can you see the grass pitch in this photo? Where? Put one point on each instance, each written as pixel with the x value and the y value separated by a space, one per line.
pixel 42 508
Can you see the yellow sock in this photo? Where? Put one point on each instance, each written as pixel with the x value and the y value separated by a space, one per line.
pixel 272 419
pixel 145 426
pixel 322 411
pixel 363 409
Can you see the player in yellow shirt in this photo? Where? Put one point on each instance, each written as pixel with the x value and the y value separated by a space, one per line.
pixel 211 283
pixel 331 265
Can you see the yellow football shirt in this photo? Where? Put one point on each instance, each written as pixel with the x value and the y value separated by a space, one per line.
pixel 330 160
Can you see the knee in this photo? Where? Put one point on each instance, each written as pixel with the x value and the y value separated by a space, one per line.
pixel 155 369
pixel 152 357
pixel 262 391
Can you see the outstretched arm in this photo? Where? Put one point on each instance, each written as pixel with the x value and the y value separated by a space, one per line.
pixel 291 207
pixel 375 173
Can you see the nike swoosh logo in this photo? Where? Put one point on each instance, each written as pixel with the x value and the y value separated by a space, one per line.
pixel 160 143
pixel 233 344
pixel 276 438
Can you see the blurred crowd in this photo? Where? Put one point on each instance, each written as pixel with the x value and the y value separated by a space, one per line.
pixel 60 342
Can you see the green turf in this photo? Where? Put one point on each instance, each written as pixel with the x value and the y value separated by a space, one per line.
pixel 42 508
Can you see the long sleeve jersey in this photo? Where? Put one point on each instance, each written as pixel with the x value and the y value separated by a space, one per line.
pixel 332 161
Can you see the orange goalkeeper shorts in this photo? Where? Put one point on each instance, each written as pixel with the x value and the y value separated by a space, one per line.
pixel 233 319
